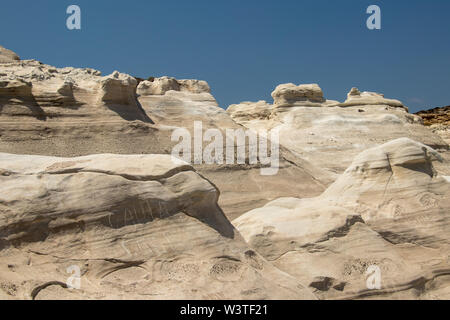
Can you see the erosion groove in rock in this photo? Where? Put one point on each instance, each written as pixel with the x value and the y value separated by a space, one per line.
pixel 156 234
pixel 389 209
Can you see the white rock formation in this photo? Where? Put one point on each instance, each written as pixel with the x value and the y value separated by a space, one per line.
pixel 73 112
pixel 242 186
pixel 66 94
pixel 389 209
pixel 118 88
pixel 246 111
pixel 173 102
pixel 290 94
pixel 329 134
pixel 136 227
pixel 159 86
pixel 151 227
pixel 357 98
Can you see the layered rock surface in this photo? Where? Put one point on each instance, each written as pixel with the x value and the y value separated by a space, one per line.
pixel 438 120
pixel 435 116
pixel 330 134
pixel 152 227
pixel 357 98
pixel 177 104
pixel 75 112
pixel 389 210
pixel 136 227
pixel 68 111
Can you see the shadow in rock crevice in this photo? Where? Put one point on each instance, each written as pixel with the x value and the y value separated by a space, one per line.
pixel 30 103
pixel 130 111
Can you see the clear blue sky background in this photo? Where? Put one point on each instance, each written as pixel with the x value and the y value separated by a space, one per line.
pixel 244 48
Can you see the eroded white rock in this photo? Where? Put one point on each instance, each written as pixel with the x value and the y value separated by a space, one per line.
pixel 289 94
pixel 390 209
pixel 136 227
pixel 330 134
pixel 357 98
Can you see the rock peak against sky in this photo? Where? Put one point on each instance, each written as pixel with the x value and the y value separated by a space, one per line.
pixel 95 203
pixel 245 50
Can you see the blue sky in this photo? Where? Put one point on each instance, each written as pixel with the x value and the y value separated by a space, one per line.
pixel 245 48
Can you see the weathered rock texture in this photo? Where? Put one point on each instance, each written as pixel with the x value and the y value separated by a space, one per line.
pixel 150 227
pixel 137 227
pixel 438 120
pixel 389 209
pixel 435 116
pixel 357 98
pixel 330 134
pixel 7 55
pixel 289 94
pixel 34 91
pixel 75 112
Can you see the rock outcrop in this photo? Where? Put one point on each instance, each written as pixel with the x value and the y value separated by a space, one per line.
pixel 174 102
pixel 160 86
pixel 118 88
pixel 136 227
pixel 330 134
pixel 390 211
pixel 357 98
pixel 90 195
pixel 69 112
pixel 7 56
pixel 438 120
pixel 289 94
pixel 435 116
pixel 36 91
